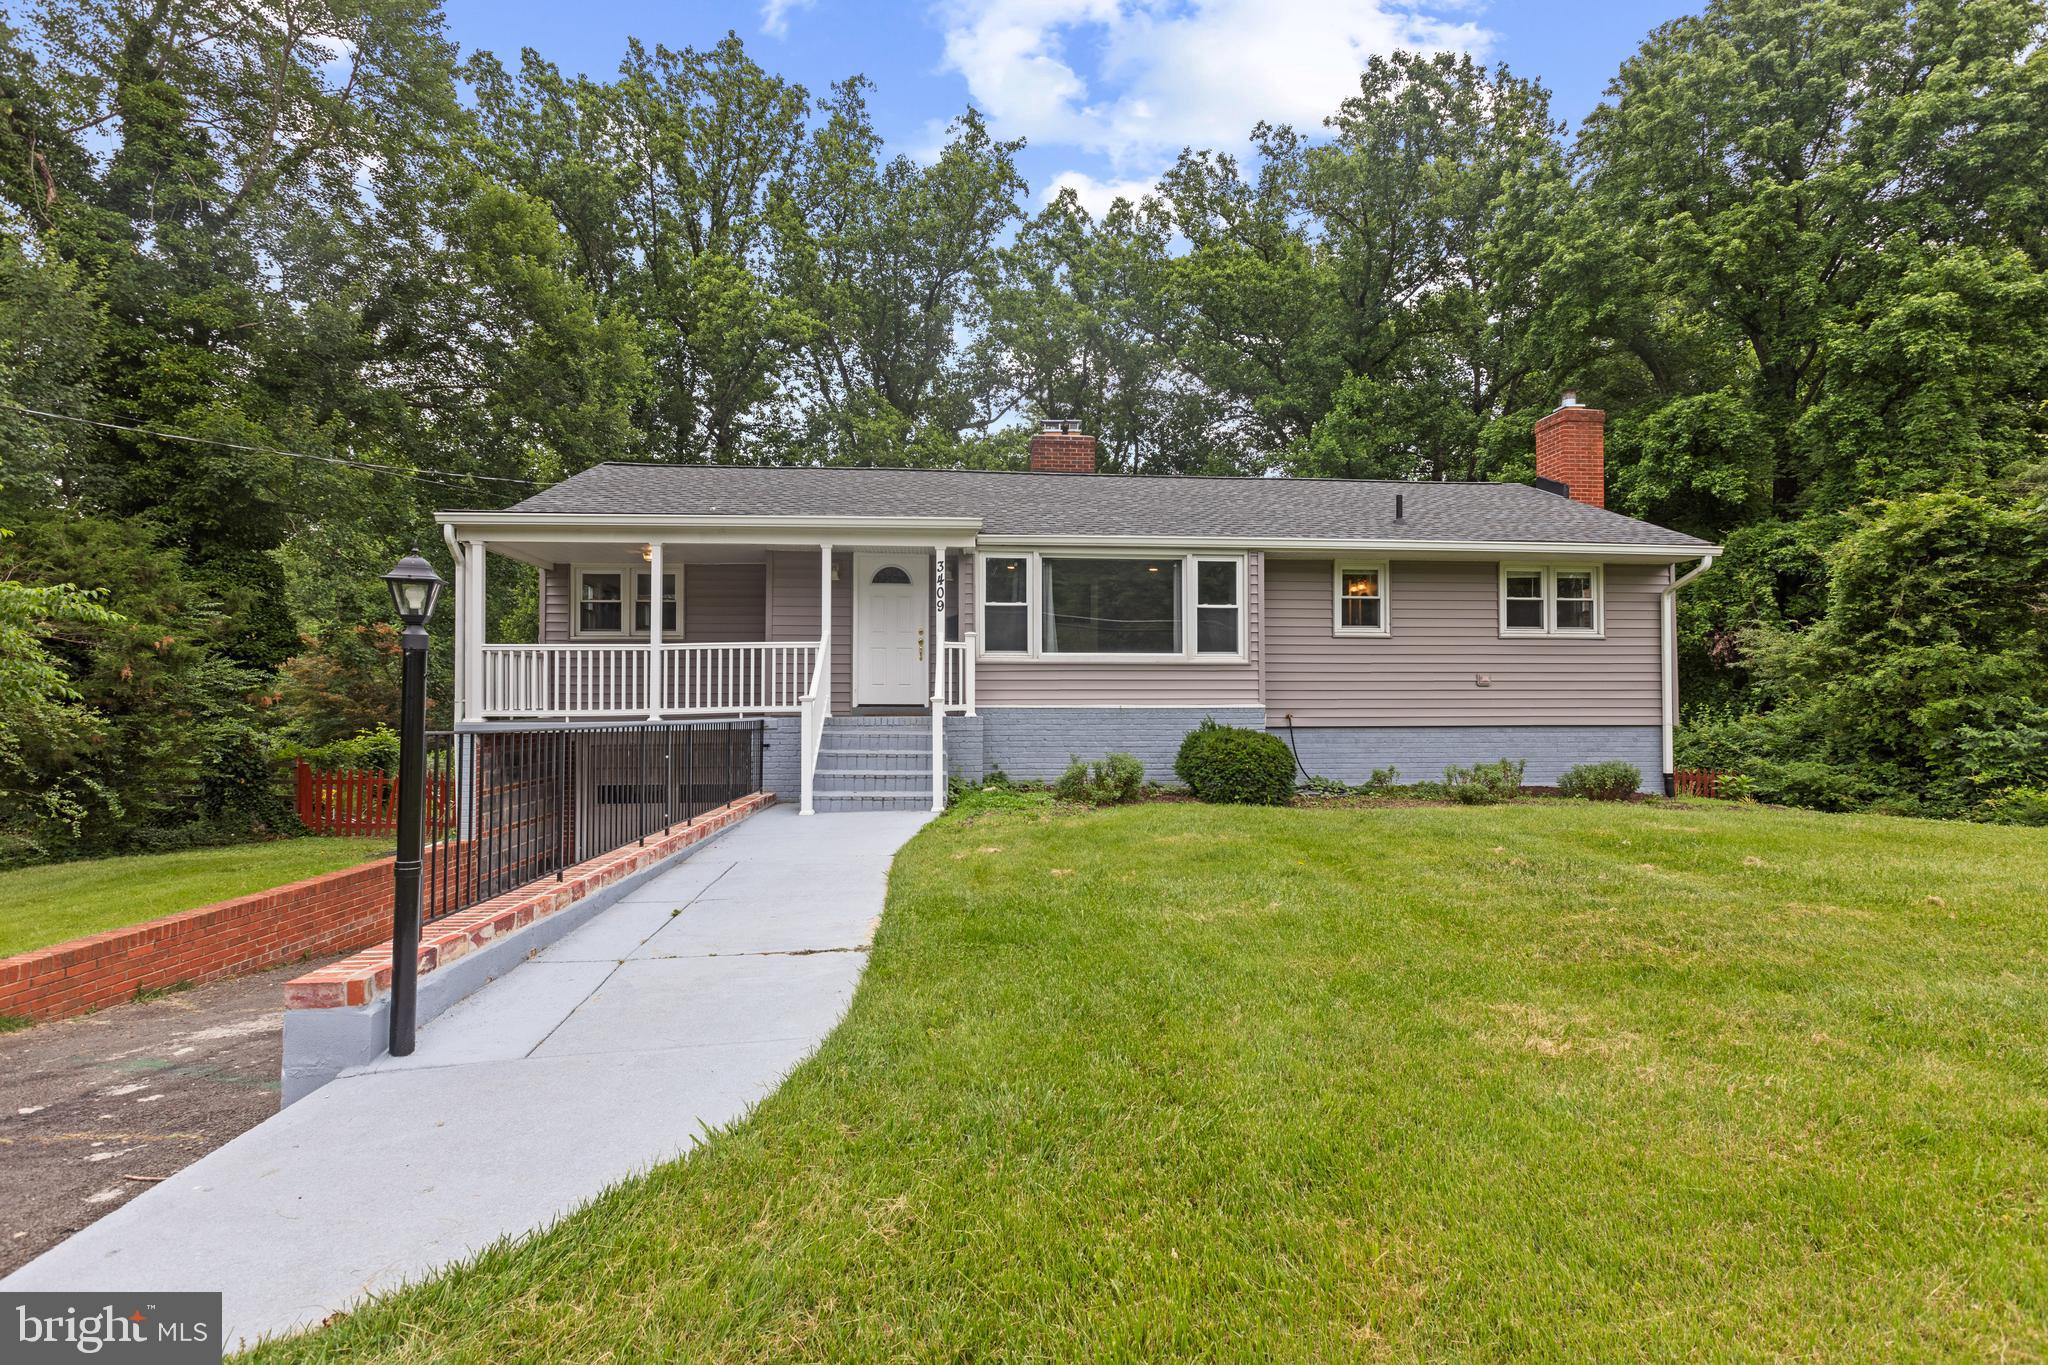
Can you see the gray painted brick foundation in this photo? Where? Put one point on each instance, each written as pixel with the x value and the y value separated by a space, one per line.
pixel 782 763
pixel 1035 743
pixel 1422 752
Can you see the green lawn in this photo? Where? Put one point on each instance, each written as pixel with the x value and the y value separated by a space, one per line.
pixel 1553 1080
pixel 44 905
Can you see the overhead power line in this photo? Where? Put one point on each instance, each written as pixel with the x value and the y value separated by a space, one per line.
pixel 441 474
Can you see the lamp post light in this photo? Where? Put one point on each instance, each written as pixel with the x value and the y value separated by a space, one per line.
pixel 415 588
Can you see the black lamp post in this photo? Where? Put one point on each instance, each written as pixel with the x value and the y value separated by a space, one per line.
pixel 415 588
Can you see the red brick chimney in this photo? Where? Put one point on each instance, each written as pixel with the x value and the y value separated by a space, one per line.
pixel 1060 448
pixel 1571 449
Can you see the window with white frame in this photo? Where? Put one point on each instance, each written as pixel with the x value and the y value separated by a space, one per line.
pixel 1219 606
pixel 1006 604
pixel 1359 593
pixel 617 603
pixel 1550 599
pixel 643 602
pixel 600 602
pixel 1063 605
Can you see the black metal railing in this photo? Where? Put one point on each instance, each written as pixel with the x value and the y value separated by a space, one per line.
pixel 508 807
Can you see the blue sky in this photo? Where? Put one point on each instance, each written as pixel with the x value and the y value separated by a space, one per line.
pixel 1106 91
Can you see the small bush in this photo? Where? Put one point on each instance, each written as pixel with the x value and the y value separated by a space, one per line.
pixel 1072 785
pixel 1326 786
pixel 371 751
pixel 2019 806
pixel 1223 763
pixel 1609 781
pixel 1118 779
pixel 1114 780
pixel 1484 784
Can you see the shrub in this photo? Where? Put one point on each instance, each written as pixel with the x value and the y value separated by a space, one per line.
pixel 1118 779
pixel 1114 780
pixel 1072 785
pixel 1609 781
pixel 1326 786
pixel 2019 806
pixel 372 751
pixel 1483 784
pixel 1223 763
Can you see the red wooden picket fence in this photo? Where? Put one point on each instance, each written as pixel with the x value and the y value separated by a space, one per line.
pixel 355 802
pixel 1698 781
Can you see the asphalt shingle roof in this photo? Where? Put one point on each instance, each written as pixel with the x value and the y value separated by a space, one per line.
pixel 1019 504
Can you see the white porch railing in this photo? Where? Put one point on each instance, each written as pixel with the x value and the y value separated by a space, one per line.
pixel 815 705
pixel 584 680
pixel 956 675
pixel 751 677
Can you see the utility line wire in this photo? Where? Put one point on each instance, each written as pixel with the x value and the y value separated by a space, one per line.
pixel 267 450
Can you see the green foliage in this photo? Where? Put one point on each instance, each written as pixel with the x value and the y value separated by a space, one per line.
pixel 2017 806
pixel 1113 780
pixel 1798 256
pixel 1485 784
pixel 1223 763
pixel 1612 780
pixel 374 750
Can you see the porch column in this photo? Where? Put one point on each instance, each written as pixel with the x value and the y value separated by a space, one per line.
pixel 459 656
pixel 825 622
pixel 654 678
pixel 473 634
pixel 938 677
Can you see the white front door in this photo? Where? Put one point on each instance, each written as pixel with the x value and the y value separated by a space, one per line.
pixel 892 616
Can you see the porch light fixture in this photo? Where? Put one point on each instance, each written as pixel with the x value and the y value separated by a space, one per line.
pixel 415 588
pixel 647 553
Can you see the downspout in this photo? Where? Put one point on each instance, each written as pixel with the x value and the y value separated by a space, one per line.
pixel 1667 655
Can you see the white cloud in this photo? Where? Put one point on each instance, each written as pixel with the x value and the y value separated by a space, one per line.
pixel 1097 195
pixel 775 15
pixel 1168 75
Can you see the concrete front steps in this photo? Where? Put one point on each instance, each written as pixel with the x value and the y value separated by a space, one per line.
pixel 874 763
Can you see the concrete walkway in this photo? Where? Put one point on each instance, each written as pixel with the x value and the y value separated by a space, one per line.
pixel 669 1014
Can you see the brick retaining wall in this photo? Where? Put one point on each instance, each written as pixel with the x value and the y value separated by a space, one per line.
pixel 332 913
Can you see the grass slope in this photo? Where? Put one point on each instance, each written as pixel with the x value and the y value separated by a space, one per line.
pixel 1553 1080
pixel 44 905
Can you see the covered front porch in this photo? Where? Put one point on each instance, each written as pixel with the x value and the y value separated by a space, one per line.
pixel 659 621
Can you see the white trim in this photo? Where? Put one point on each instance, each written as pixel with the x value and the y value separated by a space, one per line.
pixel 1667 655
pixel 864 564
pixel 1321 549
pixel 1193 623
pixel 1034 615
pixel 1550 630
pixel 617 527
pixel 1340 567
pixel 981 605
pixel 629 598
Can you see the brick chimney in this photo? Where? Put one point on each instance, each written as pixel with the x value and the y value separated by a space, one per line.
pixel 1060 448
pixel 1571 449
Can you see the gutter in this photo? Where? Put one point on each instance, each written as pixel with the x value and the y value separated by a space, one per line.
pixel 1667 658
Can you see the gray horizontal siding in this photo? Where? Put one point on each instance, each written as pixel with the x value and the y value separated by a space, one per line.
pixel 720 602
pixel 1058 682
pixel 1445 620
pixel 554 605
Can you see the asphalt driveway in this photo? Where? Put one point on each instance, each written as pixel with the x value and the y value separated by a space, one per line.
pixel 95 1110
